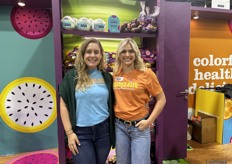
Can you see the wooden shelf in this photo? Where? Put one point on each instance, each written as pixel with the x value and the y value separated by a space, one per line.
pixel 211 13
pixel 108 34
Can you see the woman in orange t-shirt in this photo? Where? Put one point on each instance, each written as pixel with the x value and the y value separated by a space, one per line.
pixel 133 86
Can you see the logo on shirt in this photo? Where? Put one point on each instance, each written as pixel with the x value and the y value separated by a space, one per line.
pixel 119 78
pixel 125 85
pixel 98 81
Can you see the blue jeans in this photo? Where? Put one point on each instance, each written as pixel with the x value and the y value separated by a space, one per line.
pixel 95 144
pixel 132 145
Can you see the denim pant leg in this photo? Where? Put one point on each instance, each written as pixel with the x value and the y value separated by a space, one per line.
pixel 86 149
pixel 123 152
pixel 132 145
pixel 140 146
pixel 101 142
pixel 95 144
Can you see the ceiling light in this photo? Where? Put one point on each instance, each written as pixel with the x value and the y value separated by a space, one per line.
pixel 21 3
pixel 195 15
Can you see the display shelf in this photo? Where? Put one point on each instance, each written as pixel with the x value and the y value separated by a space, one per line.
pixel 211 13
pixel 108 34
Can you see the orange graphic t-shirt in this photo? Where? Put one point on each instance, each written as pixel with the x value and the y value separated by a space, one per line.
pixel 132 91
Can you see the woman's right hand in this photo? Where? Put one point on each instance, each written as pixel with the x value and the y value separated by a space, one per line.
pixel 73 143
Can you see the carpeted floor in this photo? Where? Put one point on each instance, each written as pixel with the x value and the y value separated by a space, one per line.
pixel 178 161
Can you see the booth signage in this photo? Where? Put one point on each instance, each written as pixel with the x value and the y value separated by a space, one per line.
pixel 220 4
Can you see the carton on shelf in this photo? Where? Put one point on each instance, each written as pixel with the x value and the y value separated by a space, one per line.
pixel 205 130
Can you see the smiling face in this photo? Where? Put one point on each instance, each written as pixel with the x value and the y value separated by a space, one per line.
pixel 127 56
pixel 92 56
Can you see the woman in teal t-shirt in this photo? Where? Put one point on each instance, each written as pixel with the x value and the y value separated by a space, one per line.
pixel 86 106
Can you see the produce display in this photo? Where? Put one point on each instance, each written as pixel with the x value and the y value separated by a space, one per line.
pixel 110 61
pixel 113 24
pixel 149 57
pixel 99 25
pixel 68 23
pixel 83 24
pixel 137 26
pixel 143 24
pixel 70 57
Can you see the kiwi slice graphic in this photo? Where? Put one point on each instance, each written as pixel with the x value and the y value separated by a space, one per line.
pixel 228 109
pixel 28 104
pixel 39 157
pixel 31 23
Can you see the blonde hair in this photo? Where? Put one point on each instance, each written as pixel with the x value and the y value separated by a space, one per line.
pixel 83 79
pixel 138 63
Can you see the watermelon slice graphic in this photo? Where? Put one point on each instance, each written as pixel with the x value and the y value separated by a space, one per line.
pixel 28 104
pixel 31 23
pixel 40 157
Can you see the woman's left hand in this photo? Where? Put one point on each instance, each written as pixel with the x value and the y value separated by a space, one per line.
pixel 142 125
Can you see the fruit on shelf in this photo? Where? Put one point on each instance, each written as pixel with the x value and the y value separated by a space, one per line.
pixel 68 23
pixel 137 26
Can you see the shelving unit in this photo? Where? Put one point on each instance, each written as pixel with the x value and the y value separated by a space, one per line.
pixel 108 34
pixel 172 41
pixel 167 44
pixel 211 13
pixel 147 39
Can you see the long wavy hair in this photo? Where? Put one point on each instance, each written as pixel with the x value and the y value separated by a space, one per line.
pixel 83 79
pixel 138 63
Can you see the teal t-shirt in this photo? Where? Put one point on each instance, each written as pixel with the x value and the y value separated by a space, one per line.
pixel 92 107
